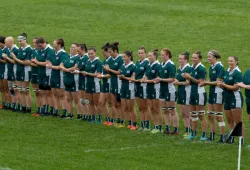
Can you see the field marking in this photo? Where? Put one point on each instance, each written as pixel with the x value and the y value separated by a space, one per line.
pixel 121 149
pixel 5 168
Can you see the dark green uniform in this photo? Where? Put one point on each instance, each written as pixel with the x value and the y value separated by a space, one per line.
pixel 106 82
pixel 3 67
pixel 71 81
pixel 44 73
pixel 198 94
pixel 81 65
pixel 215 93
pixel 115 82
pixel 12 68
pixel 167 90
pixel 56 80
pixel 34 70
pixel 127 88
pixel 246 80
pixel 233 99
pixel 183 92
pixel 140 69
pixel 22 71
pixel 152 72
pixel 93 84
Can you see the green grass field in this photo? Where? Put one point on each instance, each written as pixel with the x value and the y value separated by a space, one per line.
pixel 30 143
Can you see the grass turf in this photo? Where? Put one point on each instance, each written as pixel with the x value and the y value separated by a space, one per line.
pixel 47 143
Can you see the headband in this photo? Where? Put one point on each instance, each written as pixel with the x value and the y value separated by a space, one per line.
pixel 21 37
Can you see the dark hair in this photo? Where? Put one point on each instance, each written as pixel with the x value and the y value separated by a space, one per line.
pixel 60 41
pixel 2 39
pixel 92 48
pixel 186 55
pixel 142 48
pixel 114 46
pixel 83 47
pixel 235 59
pixel 155 52
pixel 106 47
pixel 129 54
pixel 40 40
pixel 24 35
pixel 75 44
pixel 168 52
pixel 198 53
pixel 214 53
pixel 35 38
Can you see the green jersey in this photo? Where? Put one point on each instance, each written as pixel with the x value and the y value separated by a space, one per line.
pixel 106 61
pixel 186 69
pixel 198 72
pixel 216 72
pixel 34 70
pixel 70 62
pixel 24 54
pixel 82 62
pixel 168 70
pixel 231 78
pixel 56 60
pixel 115 82
pixel 94 66
pixel 12 68
pixel 140 68
pixel 43 56
pixel 127 71
pixel 3 67
pixel 246 80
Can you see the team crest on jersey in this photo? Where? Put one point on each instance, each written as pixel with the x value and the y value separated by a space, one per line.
pixel 142 68
pixel 116 64
pixel 230 78
pixel 195 73
pixel 153 71
pixel 165 71
pixel 214 71
pixel 43 54
pixel 24 53
pixel 57 58
pixel 128 71
pixel 224 77
pixel 92 65
pixel 71 61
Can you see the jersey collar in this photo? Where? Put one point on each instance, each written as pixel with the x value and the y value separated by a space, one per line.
pixel 156 62
pixel 96 58
pixel 196 65
pixel 108 58
pixel 72 56
pixel 47 46
pixel 126 66
pixel 216 64
pixel 165 63
pixel 61 50
pixel 6 47
pixel 117 57
pixel 24 47
pixel 184 67
pixel 14 46
pixel 145 59
pixel 231 72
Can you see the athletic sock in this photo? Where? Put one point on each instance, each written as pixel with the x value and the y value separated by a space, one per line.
pixel 204 134
pixel 93 117
pixel 134 123
pixel 118 120
pixel 38 110
pixel 142 124
pixel 156 127
pixel 167 128
pixel 193 133
pixel 122 122
pixel 64 112
pixel 51 110
pixel 112 120
pixel 56 112
pixel 99 118
pixel 89 118
pixel 129 122
pixel 212 134
pixel 175 129
pixel 186 129
pixel 147 124
pixel 85 117
pixel 160 127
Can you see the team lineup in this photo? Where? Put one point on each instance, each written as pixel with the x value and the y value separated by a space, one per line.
pixel 113 87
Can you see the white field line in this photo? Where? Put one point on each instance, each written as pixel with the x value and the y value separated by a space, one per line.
pixel 5 168
pixel 120 149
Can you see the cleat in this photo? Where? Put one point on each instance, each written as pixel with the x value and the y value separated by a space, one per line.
pixel 203 139
pixel 167 132
pixel 110 124
pixel 55 115
pixel 129 126
pixel 146 130
pixel 186 134
pixel 175 133
pixel 63 116
pixel 34 114
pixel 121 126
pixel 140 129
pixel 79 117
pixel 190 137
pixel 105 123
pixel 70 116
pixel 133 128
pixel 154 131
